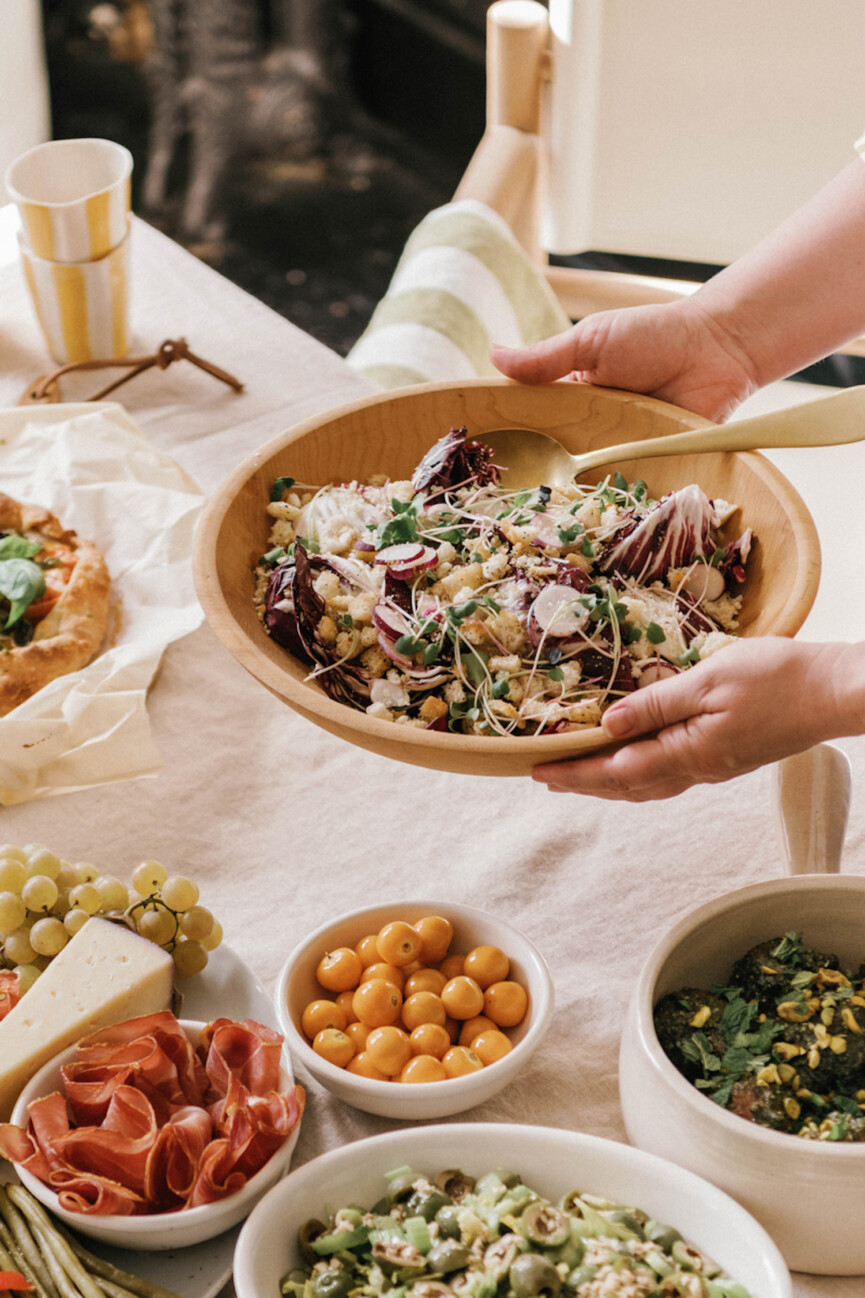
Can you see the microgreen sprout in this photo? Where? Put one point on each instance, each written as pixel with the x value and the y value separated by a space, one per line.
pixel 280 485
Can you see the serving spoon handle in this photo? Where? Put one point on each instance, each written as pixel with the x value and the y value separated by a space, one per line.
pixel 829 421
pixel 812 802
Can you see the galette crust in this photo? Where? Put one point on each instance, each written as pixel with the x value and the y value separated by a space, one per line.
pixel 70 634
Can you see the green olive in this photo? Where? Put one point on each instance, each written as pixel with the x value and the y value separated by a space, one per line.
pixel 531 1275
pixel 580 1275
pixel 309 1231
pixel 426 1203
pixel 691 1259
pixel 331 1284
pixel 401 1188
pixel 448 1222
pixel 541 1223
pixel 455 1184
pixel 500 1254
pixel 447 1255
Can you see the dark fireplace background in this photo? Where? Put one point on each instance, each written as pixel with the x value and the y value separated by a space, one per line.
pixel 338 125
pixel 311 226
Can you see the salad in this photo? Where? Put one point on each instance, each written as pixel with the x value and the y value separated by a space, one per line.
pixel 454 1236
pixel 453 603
pixel 782 1045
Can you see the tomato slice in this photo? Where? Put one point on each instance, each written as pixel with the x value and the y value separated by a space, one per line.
pixel 14 1280
pixel 56 579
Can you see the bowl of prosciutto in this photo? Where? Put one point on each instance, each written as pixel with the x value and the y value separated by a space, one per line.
pixel 372 570
pixel 157 1133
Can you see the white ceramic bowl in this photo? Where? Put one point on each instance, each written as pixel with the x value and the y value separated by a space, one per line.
pixel 161 1230
pixel 298 986
pixel 809 1195
pixel 550 1161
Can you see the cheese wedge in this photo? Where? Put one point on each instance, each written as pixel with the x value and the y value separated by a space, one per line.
pixel 105 974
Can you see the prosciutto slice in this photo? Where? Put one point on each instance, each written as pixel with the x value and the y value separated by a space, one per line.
pixel 147 1123
pixel 10 991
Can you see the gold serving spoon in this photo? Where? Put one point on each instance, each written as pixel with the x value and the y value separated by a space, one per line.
pixel 528 457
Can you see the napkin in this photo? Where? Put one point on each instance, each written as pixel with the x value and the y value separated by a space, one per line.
pixel 462 282
pixel 90 466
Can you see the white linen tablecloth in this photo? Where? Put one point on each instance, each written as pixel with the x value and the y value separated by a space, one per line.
pixel 284 826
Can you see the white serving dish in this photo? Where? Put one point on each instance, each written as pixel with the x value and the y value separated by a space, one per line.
pixel 417 1101
pixel 551 1161
pixel 809 1195
pixel 156 1231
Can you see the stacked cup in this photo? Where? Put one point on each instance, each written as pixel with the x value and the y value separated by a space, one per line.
pixel 74 200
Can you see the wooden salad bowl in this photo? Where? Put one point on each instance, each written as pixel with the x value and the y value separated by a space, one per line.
pixel 389 433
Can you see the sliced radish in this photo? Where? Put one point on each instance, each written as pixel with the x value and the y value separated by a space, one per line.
pixel 406 561
pixel 655 672
pixel 557 611
pixel 390 621
pixel 408 553
pixel 704 583
pixel 387 645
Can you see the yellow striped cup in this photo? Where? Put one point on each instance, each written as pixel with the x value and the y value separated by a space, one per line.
pixel 73 196
pixel 82 307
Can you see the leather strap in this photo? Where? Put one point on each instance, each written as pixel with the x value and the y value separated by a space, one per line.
pixel 46 389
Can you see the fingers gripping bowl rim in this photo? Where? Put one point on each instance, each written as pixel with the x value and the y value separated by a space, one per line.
pixel 817 1225
pixel 389 433
pixel 551 1160
pixel 160 1230
pixel 425 1100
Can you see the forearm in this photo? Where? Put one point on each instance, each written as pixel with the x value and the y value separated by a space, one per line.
pixel 839 675
pixel 800 293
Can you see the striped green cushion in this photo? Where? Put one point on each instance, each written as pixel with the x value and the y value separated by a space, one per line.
pixel 462 283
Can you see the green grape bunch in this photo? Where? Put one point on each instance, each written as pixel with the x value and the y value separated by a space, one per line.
pixel 45 900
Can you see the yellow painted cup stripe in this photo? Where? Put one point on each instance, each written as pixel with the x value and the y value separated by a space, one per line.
pixel 119 291
pixel 40 232
pixel 71 293
pixel 98 210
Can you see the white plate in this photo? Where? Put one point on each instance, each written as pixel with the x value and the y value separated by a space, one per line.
pixel 227 989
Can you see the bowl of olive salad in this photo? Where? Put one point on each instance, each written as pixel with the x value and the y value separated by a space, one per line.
pixel 743 1059
pixel 501 1211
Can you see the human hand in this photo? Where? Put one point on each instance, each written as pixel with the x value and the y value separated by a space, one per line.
pixel 751 703
pixel 676 352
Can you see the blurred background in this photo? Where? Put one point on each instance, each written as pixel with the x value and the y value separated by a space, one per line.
pixel 291 144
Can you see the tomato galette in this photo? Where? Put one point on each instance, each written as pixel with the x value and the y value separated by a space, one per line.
pixel 54 590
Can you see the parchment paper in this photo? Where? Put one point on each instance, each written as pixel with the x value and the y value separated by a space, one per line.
pixel 91 467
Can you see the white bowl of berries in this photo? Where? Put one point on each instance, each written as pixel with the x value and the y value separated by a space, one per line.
pixel 415 1009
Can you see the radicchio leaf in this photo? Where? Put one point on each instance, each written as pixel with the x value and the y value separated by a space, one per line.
pixel 671 534
pixel 692 619
pixel 732 566
pixel 397 591
pixel 347 682
pixel 280 617
pixel 568 575
pixel 455 461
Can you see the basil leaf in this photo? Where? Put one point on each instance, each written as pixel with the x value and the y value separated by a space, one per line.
pixel 15 546
pixel 21 581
